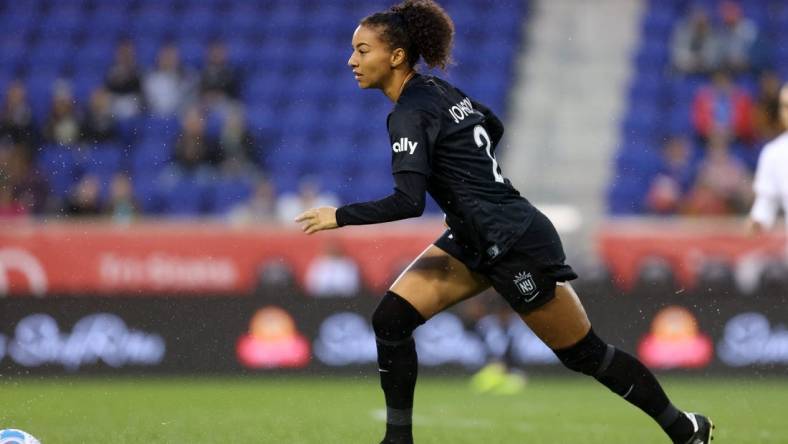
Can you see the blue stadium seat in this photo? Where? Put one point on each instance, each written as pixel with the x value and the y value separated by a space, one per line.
pixel 290 155
pixel 225 194
pixel 17 26
pixel 265 86
pixel 241 21
pixel 12 55
pixel 59 166
pixel 196 23
pixel 159 128
pixel 106 25
pixel 152 24
pixel 39 92
pixel 150 157
pixel 626 195
pixel 187 196
pixel 50 55
pixel 191 51
pixel 94 55
pixel 104 161
pixel 61 24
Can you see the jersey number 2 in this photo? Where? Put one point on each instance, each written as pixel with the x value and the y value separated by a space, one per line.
pixel 482 140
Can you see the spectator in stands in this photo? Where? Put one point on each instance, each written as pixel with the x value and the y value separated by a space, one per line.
pixel 63 123
pixel 766 115
pixel 84 199
pixel 309 196
pixel 168 87
pixel 122 206
pixel 261 207
pixel 668 188
pixel 696 47
pixel 9 206
pixel 722 107
pixel 123 81
pixel 28 187
pixel 737 37
pixel 16 117
pixel 332 274
pixel 193 149
pixel 99 124
pixel 723 185
pixel 236 144
pixel 220 81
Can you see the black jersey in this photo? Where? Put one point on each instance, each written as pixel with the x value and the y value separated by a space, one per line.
pixel 444 143
pixel 438 131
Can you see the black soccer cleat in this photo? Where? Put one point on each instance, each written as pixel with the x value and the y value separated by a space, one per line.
pixel 703 428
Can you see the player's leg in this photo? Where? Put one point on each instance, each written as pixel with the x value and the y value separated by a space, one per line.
pixel 432 283
pixel 563 325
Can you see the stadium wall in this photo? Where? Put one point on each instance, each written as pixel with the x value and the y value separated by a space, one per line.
pixel 262 322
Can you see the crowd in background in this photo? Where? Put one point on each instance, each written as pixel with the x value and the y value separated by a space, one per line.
pixel 212 139
pixel 735 111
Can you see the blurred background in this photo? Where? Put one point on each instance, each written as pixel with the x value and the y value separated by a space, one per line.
pixel 153 154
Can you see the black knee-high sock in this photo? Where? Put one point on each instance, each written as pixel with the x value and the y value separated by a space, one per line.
pixel 394 321
pixel 398 367
pixel 629 378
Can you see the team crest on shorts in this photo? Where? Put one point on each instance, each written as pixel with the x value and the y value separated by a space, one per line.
pixel 526 285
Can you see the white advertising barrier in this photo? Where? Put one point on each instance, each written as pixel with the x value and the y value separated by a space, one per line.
pixel 98 337
pixel 346 338
pixel 750 339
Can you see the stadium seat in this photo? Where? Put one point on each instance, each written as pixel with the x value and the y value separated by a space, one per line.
pixel 227 193
pixel 59 166
pixel 61 24
pixel 185 197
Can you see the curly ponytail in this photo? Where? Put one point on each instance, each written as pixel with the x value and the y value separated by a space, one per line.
pixel 420 27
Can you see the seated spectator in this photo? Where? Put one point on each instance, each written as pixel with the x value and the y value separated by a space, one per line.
pixel 123 81
pixel 309 196
pixel 167 88
pixel 220 81
pixel 16 117
pixel 99 124
pixel 122 206
pixel 28 187
pixel 723 185
pixel 193 149
pixel 260 208
pixel 695 46
pixel 84 199
pixel 63 124
pixel 722 107
pixel 674 179
pixel 766 115
pixel 236 144
pixel 737 37
pixel 332 274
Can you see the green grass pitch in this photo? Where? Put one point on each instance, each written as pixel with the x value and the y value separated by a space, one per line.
pixel 265 409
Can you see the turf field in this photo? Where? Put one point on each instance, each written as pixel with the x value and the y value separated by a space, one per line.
pixel 349 410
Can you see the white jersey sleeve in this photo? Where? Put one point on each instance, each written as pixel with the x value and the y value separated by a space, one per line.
pixel 770 181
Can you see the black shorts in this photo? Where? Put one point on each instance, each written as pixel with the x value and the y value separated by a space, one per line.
pixel 527 274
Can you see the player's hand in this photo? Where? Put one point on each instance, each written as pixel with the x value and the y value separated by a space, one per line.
pixel 754 228
pixel 318 219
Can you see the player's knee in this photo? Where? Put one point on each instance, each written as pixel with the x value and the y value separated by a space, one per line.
pixel 395 319
pixel 589 356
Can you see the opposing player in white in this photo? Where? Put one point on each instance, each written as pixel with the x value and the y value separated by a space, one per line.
pixel 771 177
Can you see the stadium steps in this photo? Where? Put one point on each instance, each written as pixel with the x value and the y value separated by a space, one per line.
pixel 565 108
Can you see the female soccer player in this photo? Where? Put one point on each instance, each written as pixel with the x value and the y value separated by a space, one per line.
pixel 443 143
